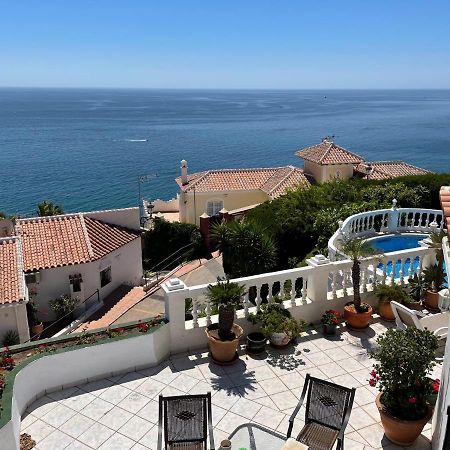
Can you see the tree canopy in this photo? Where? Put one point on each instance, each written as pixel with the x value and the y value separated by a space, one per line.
pixel 48 208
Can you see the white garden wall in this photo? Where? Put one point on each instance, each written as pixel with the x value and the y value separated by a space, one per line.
pixel 61 370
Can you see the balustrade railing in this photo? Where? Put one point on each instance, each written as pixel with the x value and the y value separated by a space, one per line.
pixel 392 220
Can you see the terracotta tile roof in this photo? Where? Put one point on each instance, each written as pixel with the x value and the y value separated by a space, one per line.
pixel 273 180
pixel 327 153
pixel 105 238
pixel 288 178
pixel 383 170
pixel 68 239
pixel 444 195
pixel 11 274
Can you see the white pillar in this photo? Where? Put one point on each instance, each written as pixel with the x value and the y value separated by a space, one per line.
pixel 317 287
pixel 175 293
pixel 20 311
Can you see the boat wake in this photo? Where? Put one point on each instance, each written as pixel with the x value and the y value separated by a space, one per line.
pixel 136 140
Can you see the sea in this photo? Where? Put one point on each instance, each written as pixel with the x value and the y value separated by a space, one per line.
pixel 90 149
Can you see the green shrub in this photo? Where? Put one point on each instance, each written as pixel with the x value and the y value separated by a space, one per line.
pixel 405 359
pixel 63 305
pixel 168 237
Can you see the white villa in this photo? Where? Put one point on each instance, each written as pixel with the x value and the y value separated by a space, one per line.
pixel 236 191
pixel 74 254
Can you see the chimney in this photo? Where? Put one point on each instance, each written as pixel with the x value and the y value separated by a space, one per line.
pixel 184 176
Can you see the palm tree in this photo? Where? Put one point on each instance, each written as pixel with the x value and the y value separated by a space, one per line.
pixel 47 208
pixel 246 247
pixel 357 249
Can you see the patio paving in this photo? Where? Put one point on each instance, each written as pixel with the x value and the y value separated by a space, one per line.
pixel 121 412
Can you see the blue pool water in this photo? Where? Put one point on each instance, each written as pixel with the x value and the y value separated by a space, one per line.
pixel 393 243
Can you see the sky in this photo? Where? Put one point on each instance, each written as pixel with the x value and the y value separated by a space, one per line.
pixel 285 44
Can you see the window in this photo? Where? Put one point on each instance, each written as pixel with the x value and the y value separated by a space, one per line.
pixel 75 281
pixel 105 276
pixel 213 207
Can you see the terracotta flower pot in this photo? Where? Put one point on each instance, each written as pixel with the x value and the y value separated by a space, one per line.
pixel 385 311
pixel 223 351
pixel 357 320
pixel 432 300
pixel 36 330
pixel 401 432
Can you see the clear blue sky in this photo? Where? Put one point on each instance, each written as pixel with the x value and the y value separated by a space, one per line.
pixel 225 44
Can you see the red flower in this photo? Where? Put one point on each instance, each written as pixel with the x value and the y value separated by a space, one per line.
pixel 412 400
pixel 144 327
pixel 436 385
pixel 120 330
pixel 373 374
pixel 372 382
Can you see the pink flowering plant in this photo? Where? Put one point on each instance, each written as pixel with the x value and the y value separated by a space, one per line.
pixel 405 359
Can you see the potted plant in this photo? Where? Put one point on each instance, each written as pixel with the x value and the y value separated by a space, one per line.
pixel 223 337
pixel 330 320
pixel 387 293
pixel 277 323
pixel 416 289
pixel 357 314
pixel 434 275
pixel 434 278
pixel 405 359
pixel 35 325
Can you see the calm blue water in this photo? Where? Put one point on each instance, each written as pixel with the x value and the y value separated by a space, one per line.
pixel 86 148
pixel 393 243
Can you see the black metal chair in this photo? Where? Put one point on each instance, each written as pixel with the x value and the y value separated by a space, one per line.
pixel 186 420
pixel 328 408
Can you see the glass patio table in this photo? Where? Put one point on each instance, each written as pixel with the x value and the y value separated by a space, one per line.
pixel 250 436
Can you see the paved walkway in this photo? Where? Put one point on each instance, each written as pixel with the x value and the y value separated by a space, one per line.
pixel 193 273
pixel 122 412
pixel 114 306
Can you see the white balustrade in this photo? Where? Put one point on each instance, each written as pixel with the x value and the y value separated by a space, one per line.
pixel 393 220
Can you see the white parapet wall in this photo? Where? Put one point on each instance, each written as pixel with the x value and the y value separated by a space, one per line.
pixel 57 371
pixel 306 291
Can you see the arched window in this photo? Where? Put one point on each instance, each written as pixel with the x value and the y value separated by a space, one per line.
pixel 213 207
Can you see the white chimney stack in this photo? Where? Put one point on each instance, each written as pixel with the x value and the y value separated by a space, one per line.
pixel 184 175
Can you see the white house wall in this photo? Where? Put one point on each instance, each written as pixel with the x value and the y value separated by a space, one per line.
pixel 126 268
pixel 14 317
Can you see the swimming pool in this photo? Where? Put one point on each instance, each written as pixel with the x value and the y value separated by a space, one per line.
pixel 396 242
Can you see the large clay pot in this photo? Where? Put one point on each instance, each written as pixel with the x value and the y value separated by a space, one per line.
pixel 401 432
pixel 36 330
pixel 432 301
pixel 357 320
pixel 223 351
pixel 385 311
